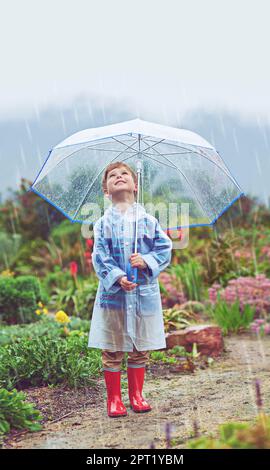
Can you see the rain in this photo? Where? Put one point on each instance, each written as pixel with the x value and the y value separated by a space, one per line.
pixel 172 69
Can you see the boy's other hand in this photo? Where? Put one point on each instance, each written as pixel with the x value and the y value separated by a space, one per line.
pixel 125 284
pixel 137 261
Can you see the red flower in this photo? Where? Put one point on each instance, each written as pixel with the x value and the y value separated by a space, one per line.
pixel 171 233
pixel 73 268
pixel 89 243
pixel 87 254
pixel 180 234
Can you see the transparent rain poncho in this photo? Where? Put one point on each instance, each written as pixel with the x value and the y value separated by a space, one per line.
pixel 121 318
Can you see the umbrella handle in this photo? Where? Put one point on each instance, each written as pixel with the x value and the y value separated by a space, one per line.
pixel 132 272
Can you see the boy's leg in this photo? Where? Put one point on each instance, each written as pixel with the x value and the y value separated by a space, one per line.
pixel 136 371
pixel 112 360
pixel 112 374
pixel 137 358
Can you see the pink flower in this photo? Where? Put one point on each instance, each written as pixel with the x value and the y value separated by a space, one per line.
pixel 265 253
pixel 254 291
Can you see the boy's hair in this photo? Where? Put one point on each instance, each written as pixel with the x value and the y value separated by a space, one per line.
pixel 112 166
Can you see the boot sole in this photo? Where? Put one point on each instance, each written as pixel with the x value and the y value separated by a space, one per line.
pixel 140 411
pixel 117 416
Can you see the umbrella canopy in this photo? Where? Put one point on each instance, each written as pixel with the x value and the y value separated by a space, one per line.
pixel 177 166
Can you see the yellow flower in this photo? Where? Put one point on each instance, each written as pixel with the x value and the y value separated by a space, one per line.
pixel 45 310
pixel 38 312
pixel 7 273
pixel 62 317
pixel 66 331
pixel 40 304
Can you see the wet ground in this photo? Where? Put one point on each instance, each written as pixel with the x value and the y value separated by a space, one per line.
pixel 224 391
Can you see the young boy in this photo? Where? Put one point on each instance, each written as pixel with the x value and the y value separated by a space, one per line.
pixel 127 316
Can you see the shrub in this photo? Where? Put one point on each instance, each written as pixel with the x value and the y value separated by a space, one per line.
pixel 10 244
pixel 18 298
pixel 48 360
pixel 45 326
pixel 56 279
pixel 219 260
pixel 15 412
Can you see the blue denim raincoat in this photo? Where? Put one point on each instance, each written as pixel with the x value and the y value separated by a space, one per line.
pixel 122 319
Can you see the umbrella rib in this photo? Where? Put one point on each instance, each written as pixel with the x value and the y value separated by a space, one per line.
pixel 151 158
pixel 211 161
pixel 178 169
pixel 127 146
pixel 85 148
pixel 180 153
pixel 151 146
pixel 106 150
pixel 89 189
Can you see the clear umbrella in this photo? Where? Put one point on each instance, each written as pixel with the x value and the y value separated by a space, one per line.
pixel 174 166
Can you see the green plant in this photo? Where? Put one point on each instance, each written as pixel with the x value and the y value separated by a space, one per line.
pixel 178 318
pixel 15 412
pixel 48 360
pixel 56 279
pixel 190 276
pixel 77 299
pixel 19 297
pixel 65 234
pixel 229 317
pixel 219 260
pixel 10 244
pixel 236 435
pixel 178 351
pixel 46 326
pixel 162 357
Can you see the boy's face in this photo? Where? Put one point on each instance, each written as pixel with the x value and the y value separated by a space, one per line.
pixel 120 179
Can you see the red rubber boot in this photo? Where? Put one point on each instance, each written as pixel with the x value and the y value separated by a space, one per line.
pixel 135 386
pixel 115 406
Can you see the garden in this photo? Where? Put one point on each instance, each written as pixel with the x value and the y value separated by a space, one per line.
pixel 209 387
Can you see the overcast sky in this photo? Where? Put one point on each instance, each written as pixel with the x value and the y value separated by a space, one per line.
pixel 169 56
pixel 67 65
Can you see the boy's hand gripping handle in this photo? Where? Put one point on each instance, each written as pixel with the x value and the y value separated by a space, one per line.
pixel 132 272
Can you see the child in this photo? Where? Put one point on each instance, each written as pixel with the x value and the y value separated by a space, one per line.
pixel 127 316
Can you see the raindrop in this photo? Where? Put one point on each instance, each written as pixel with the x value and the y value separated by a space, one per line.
pixel 222 126
pixel 29 133
pixel 37 112
pixel 258 163
pixel 63 122
pixel 76 116
pixel 235 140
pixel 90 112
pixel 22 154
